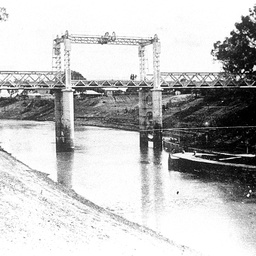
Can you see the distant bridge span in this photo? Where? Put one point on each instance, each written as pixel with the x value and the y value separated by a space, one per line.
pixel 31 80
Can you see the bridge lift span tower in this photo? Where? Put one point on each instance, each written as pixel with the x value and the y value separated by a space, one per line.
pixel 150 99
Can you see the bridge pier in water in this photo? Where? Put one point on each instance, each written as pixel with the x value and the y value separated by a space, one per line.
pixel 150 102
pixel 64 109
pixel 157 96
pixel 145 115
pixel 157 118
pixel 150 117
pixel 64 120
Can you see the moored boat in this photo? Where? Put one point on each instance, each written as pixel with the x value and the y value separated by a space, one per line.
pixel 220 163
pixel 171 145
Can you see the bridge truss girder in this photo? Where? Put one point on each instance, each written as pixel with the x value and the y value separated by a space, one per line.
pixel 168 80
pixel 204 80
pixel 31 79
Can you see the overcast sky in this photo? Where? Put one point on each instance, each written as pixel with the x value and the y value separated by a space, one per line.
pixel 187 30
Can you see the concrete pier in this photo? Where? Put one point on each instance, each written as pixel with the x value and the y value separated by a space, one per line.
pixel 64 120
pixel 157 118
pixel 64 108
pixel 157 96
pixel 145 115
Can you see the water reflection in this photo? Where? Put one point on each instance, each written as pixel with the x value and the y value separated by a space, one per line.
pixel 234 186
pixel 145 185
pixel 65 164
pixel 152 190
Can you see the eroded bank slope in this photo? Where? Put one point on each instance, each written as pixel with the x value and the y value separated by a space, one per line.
pixel 40 217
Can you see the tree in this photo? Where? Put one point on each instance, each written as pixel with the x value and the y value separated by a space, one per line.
pixel 76 75
pixel 237 53
pixel 3 14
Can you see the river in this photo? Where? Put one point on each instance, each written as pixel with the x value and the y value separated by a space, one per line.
pixel 108 167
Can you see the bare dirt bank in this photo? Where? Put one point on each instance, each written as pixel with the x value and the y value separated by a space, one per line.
pixel 41 217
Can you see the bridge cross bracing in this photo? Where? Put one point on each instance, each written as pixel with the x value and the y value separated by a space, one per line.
pixel 31 80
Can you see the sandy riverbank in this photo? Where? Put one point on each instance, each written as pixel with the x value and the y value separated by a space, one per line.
pixel 40 217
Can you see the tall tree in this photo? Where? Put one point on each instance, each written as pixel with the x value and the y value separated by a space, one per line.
pixel 237 53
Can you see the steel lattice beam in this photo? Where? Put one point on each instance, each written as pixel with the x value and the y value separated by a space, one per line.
pixel 175 80
pixel 83 39
pixel 106 39
pixel 31 79
pixel 205 80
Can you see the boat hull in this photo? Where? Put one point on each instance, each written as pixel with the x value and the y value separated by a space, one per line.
pixel 187 162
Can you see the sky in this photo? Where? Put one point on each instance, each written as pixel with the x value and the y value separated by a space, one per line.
pixel 187 30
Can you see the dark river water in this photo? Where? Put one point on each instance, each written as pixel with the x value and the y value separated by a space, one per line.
pixel 211 215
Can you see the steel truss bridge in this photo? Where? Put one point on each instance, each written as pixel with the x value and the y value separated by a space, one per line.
pixel 31 80
pixel 58 79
